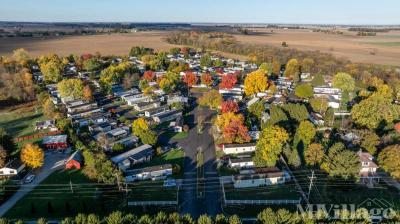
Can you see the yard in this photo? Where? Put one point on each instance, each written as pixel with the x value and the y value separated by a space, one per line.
pixel 66 193
pixel 174 157
pixel 175 135
pixel 151 191
pixel 20 121
pixel 285 191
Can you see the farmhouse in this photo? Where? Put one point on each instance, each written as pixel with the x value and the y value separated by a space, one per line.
pixel 238 148
pixel 12 168
pixel 55 142
pixel 153 173
pixel 134 156
pixel 167 116
pixel 74 161
pixel 268 177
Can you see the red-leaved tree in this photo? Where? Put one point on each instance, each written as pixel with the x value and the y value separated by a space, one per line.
pixel 235 132
pixel 228 81
pixel 149 75
pixel 190 79
pixel 206 79
pixel 229 106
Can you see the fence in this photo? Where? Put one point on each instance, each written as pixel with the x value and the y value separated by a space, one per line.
pixel 142 203
pixel 35 136
pixel 261 202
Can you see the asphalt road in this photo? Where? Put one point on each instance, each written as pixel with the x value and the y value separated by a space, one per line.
pixel 53 162
pixel 189 202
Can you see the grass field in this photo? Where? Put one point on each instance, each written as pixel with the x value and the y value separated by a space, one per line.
pixel 53 198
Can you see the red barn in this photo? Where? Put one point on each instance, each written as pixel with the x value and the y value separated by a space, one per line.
pixel 74 161
pixel 55 142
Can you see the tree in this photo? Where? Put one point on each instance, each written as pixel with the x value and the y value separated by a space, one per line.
pixel 87 93
pixel 305 133
pixel 319 104
pixel 212 99
pixel 92 64
pixel 269 145
pixel 141 129
pixel 6 141
pixel 49 109
pixel 304 91
pixel 296 111
pixel 159 62
pixel 228 81
pixel 318 80
pixel 389 160
pixel 118 147
pixel 256 82
pixel 21 56
pixel 292 156
pixel 235 132
pixel 224 119
pixel 149 75
pixel 307 64
pixel 3 156
pixel 344 82
pixel 114 74
pixel 32 155
pixel 313 154
pixel 292 69
pixel 341 162
pixel 257 109
pixel 204 219
pixel 190 79
pixel 206 79
pixel 51 68
pixel 169 82
pixel 139 51
pixel 266 68
pixel 71 88
pixel 368 140
pixel 229 106
pixel 374 111
pixel 277 116
pixel 115 218
pixel 205 60
pixel 130 80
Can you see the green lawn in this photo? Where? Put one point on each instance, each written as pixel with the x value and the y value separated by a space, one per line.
pixel 285 191
pixel 53 198
pixel 174 157
pixel 21 121
pixel 175 135
pixel 151 191
pixel 384 43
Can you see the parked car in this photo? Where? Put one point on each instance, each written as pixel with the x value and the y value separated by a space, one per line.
pixel 29 179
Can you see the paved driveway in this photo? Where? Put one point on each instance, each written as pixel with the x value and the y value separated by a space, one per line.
pixel 53 162
pixel 188 201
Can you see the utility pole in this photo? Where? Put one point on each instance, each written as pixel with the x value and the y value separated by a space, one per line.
pixel 119 186
pixel 70 185
pixel 311 183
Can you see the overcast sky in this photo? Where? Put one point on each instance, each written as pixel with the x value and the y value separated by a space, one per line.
pixel 218 11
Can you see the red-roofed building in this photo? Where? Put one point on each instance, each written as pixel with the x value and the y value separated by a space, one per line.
pixel 74 161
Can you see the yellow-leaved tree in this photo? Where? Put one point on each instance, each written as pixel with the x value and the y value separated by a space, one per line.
pixel 32 155
pixel 256 82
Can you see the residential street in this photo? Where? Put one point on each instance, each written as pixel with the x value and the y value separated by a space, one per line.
pixel 53 162
pixel 189 201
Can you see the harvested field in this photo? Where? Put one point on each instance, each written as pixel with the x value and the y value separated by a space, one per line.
pixel 381 49
pixel 106 44
pixel 384 48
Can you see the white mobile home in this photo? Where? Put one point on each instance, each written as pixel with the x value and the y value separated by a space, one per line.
pixel 238 148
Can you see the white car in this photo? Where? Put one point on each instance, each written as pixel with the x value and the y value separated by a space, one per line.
pixel 29 179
